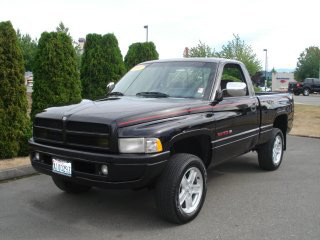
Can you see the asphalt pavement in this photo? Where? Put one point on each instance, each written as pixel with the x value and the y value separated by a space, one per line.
pixel 313 99
pixel 242 202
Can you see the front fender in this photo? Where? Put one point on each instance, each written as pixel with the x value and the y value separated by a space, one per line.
pixel 172 130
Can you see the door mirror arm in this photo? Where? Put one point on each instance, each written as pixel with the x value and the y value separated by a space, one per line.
pixel 219 95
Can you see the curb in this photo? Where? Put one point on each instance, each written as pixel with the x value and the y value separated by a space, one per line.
pixel 301 135
pixel 16 172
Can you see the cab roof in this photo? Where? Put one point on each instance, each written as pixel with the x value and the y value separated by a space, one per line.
pixel 216 60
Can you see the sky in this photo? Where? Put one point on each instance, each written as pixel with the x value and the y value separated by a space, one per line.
pixel 284 27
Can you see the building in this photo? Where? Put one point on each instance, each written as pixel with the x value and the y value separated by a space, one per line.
pixel 28 78
pixel 280 81
pixel 82 41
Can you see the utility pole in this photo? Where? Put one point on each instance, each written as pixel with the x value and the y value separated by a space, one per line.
pixel 147 28
pixel 265 70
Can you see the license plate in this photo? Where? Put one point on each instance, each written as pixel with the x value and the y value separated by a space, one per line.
pixel 61 167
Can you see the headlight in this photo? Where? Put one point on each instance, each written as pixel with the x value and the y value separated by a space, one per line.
pixel 140 145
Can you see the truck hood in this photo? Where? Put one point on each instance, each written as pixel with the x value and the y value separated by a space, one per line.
pixel 125 111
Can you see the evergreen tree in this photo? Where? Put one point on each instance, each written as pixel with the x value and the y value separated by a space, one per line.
pixel 140 52
pixel 101 63
pixel 56 79
pixel 29 48
pixel 62 28
pixel 14 121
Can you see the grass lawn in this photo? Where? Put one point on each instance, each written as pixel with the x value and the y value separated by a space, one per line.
pixel 306 121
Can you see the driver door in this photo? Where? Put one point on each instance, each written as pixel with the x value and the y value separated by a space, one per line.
pixel 237 117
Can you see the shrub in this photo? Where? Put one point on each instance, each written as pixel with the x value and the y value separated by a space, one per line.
pixel 56 79
pixel 140 52
pixel 14 121
pixel 101 63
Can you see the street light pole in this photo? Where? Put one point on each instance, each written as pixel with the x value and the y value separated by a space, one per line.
pixel 265 70
pixel 147 28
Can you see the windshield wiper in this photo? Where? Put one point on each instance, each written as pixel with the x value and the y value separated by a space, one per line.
pixel 116 94
pixel 152 94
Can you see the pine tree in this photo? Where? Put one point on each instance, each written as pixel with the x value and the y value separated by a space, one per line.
pixel 101 63
pixel 140 52
pixel 56 78
pixel 14 121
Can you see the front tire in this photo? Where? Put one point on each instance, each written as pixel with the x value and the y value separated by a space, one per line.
pixel 270 154
pixel 70 187
pixel 181 189
pixel 306 92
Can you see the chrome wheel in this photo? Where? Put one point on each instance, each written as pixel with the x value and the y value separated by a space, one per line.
pixel 306 92
pixel 277 150
pixel 190 190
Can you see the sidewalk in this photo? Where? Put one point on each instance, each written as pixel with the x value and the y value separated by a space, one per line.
pixel 15 167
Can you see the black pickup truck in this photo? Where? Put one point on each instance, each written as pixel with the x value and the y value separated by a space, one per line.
pixel 163 124
pixel 309 85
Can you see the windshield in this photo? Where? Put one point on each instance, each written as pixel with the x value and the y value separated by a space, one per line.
pixel 169 79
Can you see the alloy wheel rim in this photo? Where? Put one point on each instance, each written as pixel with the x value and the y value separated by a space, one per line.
pixel 306 91
pixel 190 190
pixel 277 150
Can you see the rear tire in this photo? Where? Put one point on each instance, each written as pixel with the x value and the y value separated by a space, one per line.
pixel 270 154
pixel 296 93
pixel 70 187
pixel 181 189
pixel 306 92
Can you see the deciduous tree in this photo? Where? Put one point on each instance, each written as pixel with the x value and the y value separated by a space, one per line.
pixel 202 50
pixel 308 64
pixel 237 49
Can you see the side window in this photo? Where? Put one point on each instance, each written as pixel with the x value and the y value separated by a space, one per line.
pixel 316 81
pixel 231 73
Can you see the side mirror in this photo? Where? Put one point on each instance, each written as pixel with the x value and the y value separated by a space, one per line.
pixel 236 89
pixel 110 87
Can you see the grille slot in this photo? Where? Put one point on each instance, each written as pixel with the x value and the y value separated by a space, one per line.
pixel 87 127
pixel 98 141
pixel 47 134
pixel 49 123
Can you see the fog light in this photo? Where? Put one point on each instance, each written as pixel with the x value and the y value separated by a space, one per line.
pixel 37 156
pixel 104 169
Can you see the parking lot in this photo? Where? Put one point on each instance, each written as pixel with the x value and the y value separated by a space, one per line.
pixel 242 202
pixel 313 99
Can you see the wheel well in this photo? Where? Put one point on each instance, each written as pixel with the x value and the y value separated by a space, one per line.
pixel 199 146
pixel 281 122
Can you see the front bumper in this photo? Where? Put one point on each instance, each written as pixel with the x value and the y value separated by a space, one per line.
pixel 125 170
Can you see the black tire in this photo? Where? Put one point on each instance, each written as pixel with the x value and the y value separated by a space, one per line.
pixel 267 160
pixel 70 187
pixel 168 188
pixel 296 93
pixel 306 92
